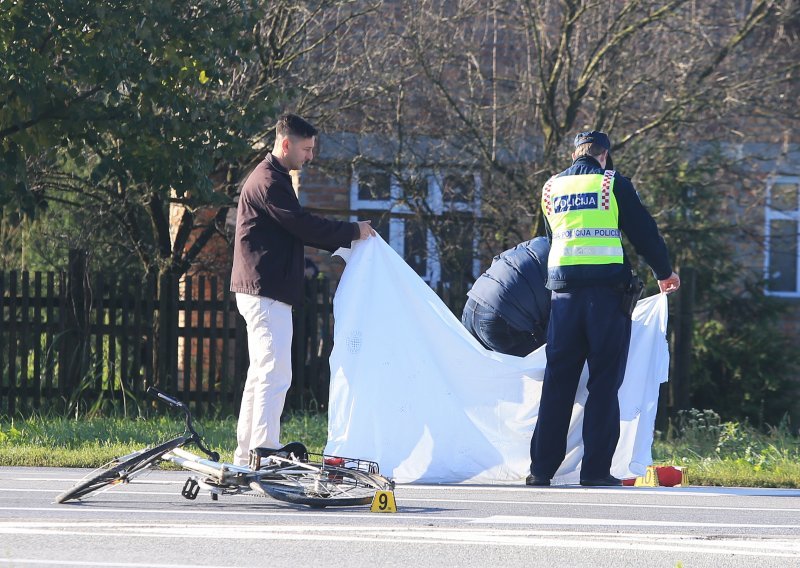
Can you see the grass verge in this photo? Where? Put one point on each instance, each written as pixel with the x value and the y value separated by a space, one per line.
pixel 61 442
pixel 715 452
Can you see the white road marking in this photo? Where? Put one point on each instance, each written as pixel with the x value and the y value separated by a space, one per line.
pixel 783 547
pixel 182 511
pixel 405 499
pixel 604 522
pixel 30 490
pixel 408 499
pixel 705 491
pixel 115 491
pixel 164 476
pixel 167 477
pixel 73 480
pixel 494 519
pixel 18 561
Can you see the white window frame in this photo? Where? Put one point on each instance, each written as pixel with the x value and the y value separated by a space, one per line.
pixel 435 201
pixel 394 205
pixel 776 215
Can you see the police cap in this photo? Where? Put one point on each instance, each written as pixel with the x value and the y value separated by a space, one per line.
pixel 595 136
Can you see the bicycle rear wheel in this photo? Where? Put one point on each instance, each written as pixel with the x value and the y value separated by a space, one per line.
pixel 328 486
pixel 120 470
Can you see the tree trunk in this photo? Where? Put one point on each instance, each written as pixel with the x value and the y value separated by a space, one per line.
pixel 165 333
pixel 681 375
pixel 75 343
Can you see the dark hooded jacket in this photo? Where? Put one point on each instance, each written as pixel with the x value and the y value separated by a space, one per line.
pixel 514 286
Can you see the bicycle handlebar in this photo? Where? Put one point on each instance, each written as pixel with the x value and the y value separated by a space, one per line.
pixel 198 440
pixel 155 393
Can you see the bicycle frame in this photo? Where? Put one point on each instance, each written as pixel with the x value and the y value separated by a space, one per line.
pixel 224 472
pixel 289 474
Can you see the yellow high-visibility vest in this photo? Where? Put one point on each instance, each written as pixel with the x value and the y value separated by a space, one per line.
pixel 584 220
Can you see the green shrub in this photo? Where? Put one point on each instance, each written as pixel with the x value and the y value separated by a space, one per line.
pixel 743 365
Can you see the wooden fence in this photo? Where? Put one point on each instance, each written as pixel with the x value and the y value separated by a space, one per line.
pixel 75 343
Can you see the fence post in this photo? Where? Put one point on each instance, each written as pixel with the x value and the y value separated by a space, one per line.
pixel 76 332
pixel 299 346
pixel 323 372
pixel 165 329
pixel 241 360
pixel 683 341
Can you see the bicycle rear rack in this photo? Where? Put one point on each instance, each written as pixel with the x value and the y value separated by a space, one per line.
pixel 365 466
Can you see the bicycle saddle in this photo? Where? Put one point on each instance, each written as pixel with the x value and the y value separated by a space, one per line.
pixel 297 449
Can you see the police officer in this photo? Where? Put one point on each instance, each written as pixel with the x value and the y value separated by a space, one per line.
pixel 586 207
pixel 508 306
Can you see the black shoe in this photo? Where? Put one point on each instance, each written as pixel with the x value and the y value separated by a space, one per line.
pixel 607 481
pixel 536 481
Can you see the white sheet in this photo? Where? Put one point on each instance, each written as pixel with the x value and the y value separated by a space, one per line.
pixel 414 391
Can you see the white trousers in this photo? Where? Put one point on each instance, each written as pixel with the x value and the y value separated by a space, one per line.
pixel 269 340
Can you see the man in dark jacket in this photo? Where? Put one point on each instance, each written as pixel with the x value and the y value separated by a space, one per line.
pixel 267 276
pixel 586 208
pixel 509 306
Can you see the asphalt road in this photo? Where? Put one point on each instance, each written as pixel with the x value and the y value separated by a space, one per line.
pixel 147 523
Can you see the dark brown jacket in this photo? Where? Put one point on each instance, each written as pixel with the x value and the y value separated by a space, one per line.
pixel 271 229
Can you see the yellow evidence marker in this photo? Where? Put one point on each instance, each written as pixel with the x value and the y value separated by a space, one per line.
pixel 383 502
pixel 650 478
pixel 663 476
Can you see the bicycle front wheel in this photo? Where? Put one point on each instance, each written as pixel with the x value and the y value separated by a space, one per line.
pixel 328 486
pixel 120 470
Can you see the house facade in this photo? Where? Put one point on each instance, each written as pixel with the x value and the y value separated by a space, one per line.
pixel 340 183
pixel 429 212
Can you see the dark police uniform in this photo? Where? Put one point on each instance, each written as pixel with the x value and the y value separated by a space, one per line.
pixel 585 208
pixel 508 306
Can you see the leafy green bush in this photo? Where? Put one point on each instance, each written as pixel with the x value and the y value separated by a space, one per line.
pixel 743 365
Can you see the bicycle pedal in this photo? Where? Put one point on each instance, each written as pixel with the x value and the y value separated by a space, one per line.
pixel 190 489
pixel 255 459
